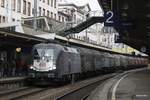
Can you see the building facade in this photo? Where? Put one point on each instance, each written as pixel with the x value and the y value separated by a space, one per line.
pixel 14 10
pixel 48 8
pixel 61 11
pixel 73 13
pixel 108 37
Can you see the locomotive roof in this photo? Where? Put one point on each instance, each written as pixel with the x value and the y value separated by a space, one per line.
pixel 58 46
pixel 47 45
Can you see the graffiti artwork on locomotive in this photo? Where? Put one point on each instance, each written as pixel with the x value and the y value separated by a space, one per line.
pixel 51 61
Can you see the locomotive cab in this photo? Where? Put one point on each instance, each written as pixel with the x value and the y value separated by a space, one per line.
pixel 44 61
pixel 54 62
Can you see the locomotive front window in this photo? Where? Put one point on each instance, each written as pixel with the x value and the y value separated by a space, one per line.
pixel 49 54
pixel 45 54
pixel 43 59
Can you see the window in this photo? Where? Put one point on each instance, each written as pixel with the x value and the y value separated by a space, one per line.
pixel 24 7
pixel 43 12
pixel 29 8
pixel 51 14
pixel 4 19
pixel 2 3
pixel 43 1
pixel 40 11
pixel 48 2
pixel 55 16
pixel 59 17
pixel 0 19
pixel 47 13
pixel 19 6
pixel 74 17
pixel 66 19
pixel 63 19
pixel 55 3
pixel 13 19
pixel 51 3
pixel 13 5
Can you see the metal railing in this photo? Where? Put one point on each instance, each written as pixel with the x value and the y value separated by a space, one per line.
pixel 95 13
pixel 88 40
pixel 88 15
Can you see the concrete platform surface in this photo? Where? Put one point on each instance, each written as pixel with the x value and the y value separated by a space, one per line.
pixel 130 86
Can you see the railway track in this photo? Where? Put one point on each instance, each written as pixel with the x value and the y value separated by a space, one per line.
pixel 9 91
pixel 83 92
pixel 20 93
pixel 54 93
pixel 77 91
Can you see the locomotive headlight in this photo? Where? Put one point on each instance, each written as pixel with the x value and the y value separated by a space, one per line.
pixel 54 67
pixel 31 67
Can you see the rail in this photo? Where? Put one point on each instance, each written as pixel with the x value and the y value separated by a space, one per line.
pixel 60 93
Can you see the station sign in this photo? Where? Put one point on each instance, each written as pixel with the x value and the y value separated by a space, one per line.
pixel 109 18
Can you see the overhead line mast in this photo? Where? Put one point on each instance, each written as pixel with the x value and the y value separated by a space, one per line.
pixel 35 15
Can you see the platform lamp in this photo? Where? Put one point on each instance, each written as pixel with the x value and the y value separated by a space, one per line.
pixel 18 53
pixel 18 49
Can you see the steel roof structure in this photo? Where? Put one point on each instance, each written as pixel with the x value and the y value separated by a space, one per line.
pixel 131 20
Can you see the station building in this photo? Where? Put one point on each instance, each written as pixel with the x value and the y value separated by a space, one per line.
pixel 14 10
pixel 64 13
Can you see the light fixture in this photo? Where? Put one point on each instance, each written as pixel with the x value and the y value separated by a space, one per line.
pixel 124 14
pixel 18 49
pixel 125 6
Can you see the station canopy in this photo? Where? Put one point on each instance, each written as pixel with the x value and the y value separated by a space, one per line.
pixel 18 39
pixel 131 20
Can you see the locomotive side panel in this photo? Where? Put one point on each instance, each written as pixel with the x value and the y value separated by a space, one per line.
pixel 76 63
pixel 69 63
pixel 63 64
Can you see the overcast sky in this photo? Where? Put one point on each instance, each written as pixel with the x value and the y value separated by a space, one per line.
pixel 93 3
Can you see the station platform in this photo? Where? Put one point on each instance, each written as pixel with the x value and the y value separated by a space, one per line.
pixel 134 85
pixel 12 79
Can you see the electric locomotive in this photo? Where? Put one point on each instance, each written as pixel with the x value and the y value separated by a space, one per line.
pixel 54 62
